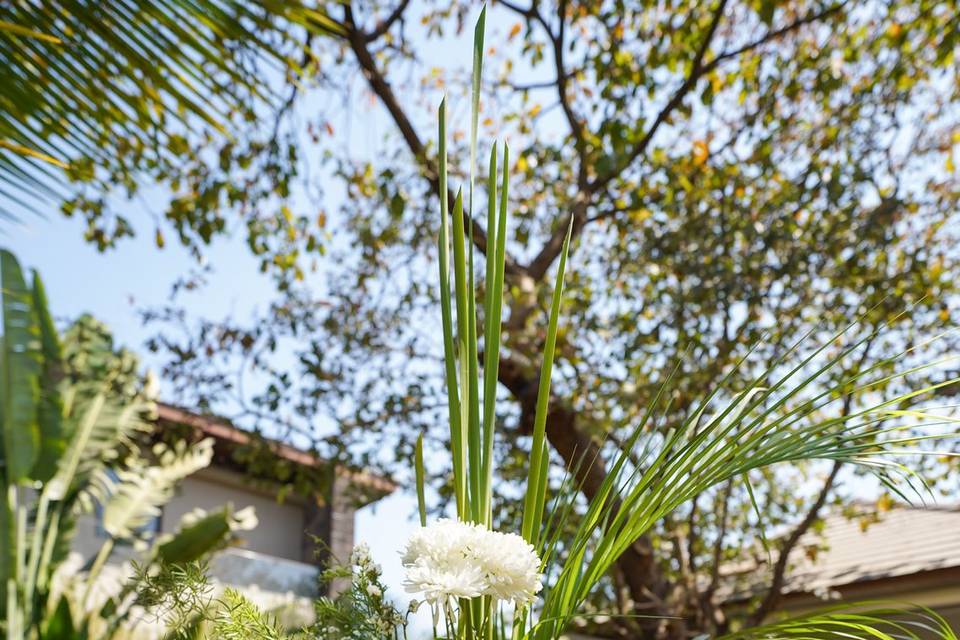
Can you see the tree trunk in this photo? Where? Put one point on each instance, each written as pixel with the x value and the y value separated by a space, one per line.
pixel 638 565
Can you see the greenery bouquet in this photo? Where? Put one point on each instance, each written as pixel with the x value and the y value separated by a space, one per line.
pixel 531 584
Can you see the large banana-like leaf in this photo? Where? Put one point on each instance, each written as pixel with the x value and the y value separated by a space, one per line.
pixel 53 434
pixel 137 497
pixel 21 373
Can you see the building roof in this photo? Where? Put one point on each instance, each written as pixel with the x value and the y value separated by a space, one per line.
pixel 900 542
pixel 231 436
pixel 853 550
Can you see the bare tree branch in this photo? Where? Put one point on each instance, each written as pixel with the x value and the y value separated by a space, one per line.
pixel 551 249
pixel 378 83
pixel 384 25
pixel 774 592
pixel 697 70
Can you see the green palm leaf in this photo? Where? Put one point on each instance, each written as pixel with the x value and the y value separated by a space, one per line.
pixel 877 620
pixel 21 373
pixel 139 493
pixel 91 85
pixel 789 414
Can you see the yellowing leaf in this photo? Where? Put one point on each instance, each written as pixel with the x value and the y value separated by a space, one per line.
pixel 700 152
pixel 514 31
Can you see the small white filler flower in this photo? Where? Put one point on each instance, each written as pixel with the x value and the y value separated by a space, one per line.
pixel 450 559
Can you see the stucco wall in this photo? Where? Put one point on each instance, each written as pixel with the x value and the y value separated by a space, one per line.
pixel 279 532
pixel 281 525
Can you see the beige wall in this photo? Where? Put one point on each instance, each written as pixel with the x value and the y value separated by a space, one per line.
pixel 279 532
pixel 281 525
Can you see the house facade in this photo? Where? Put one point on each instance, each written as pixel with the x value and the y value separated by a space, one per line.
pixel 280 559
pixel 908 554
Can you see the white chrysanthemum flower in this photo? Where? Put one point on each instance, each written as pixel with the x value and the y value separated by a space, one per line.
pixel 451 559
pixel 511 567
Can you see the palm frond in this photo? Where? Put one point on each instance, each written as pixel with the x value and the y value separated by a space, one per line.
pixel 108 85
pixel 788 414
pixel 878 620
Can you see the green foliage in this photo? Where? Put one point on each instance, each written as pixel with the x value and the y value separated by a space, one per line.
pixel 240 619
pixel 102 97
pixel 739 175
pixel 85 406
pixel 362 610
pixel 867 620
pixel 177 593
pixel 182 597
pixel 793 411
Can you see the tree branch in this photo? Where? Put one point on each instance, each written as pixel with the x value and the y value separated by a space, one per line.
pixel 551 249
pixel 574 122
pixel 540 264
pixel 697 70
pixel 774 593
pixel 378 83
pixel 384 25
pixel 582 456
pixel 774 35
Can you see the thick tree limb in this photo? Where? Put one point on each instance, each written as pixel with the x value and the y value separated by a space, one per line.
pixel 638 564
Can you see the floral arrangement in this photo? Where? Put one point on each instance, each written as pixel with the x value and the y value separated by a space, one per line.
pixel 530 585
pixel 450 560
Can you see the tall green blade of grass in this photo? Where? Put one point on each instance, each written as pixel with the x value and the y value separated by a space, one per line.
pixel 462 292
pixel 536 494
pixel 494 308
pixel 421 481
pixel 458 453
pixel 475 446
pixel 474 443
